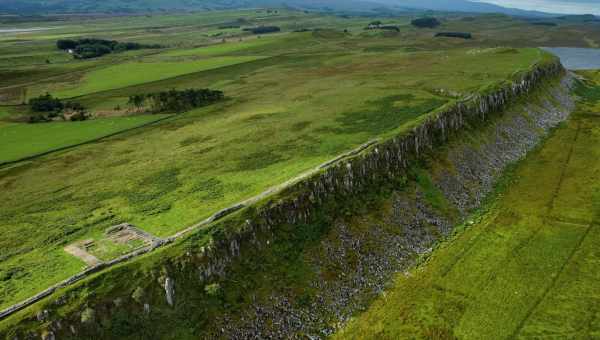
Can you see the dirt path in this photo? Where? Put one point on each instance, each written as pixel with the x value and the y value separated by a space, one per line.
pixel 88 258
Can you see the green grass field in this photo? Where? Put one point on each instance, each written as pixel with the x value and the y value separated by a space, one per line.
pixel 134 73
pixel 227 47
pixel 25 140
pixel 529 268
pixel 169 176
pixel 294 100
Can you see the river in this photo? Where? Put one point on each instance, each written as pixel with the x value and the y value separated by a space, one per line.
pixel 577 58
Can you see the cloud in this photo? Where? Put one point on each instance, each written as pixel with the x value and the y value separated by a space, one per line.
pixel 553 6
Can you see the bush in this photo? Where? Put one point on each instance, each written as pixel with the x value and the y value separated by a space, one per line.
pixel 138 295
pixel 129 46
pixel 88 315
pixel 390 27
pixel 213 289
pixel 426 22
pixel 454 35
pixel 263 29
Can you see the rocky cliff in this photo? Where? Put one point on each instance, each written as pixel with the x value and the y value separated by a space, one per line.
pixel 300 263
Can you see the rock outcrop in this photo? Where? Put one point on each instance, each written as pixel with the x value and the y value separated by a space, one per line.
pixel 464 174
pixel 170 291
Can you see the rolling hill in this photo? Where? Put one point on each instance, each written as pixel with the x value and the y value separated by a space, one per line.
pixel 129 6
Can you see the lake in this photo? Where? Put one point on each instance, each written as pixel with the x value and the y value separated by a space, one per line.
pixel 577 58
pixel 22 30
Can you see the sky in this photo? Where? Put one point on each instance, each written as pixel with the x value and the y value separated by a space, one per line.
pixel 553 6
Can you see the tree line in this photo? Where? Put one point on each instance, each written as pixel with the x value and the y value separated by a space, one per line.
pixel 92 48
pixel 46 108
pixel 263 29
pixel 463 35
pixel 427 22
pixel 174 100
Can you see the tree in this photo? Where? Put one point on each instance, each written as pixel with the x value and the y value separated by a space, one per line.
pixel 66 44
pixel 45 103
pixel 137 100
pixel 462 35
pixel 428 22
pixel 87 51
pixel 45 108
pixel 177 101
pixel 263 29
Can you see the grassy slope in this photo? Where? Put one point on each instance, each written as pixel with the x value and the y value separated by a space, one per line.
pixel 339 91
pixel 172 175
pixel 320 99
pixel 529 266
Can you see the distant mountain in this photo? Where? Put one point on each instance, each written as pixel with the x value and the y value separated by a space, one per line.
pixel 130 6
pixel 461 6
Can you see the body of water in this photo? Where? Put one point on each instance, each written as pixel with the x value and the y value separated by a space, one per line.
pixel 577 58
pixel 22 30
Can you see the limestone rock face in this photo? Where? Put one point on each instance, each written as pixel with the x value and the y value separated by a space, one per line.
pixel 170 291
pixel 42 315
pixel 49 336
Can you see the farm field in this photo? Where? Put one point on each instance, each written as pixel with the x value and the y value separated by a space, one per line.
pixel 25 140
pixel 295 99
pixel 535 249
pixel 135 73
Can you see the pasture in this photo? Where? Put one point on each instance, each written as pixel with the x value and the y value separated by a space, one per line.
pixel 25 140
pixel 140 72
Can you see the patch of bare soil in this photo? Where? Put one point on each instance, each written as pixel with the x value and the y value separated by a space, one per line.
pixel 80 249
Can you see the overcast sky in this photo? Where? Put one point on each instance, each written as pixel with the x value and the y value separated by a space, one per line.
pixel 554 6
